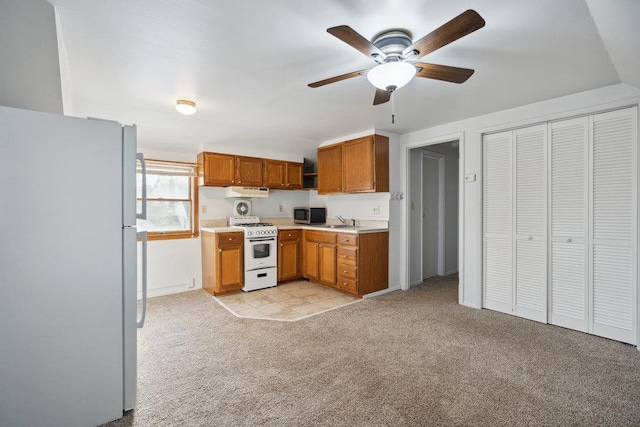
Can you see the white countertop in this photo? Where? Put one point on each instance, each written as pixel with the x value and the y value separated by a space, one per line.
pixel 353 230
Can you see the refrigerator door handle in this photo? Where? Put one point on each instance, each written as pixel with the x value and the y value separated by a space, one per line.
pixel 143 211
pixel 143 236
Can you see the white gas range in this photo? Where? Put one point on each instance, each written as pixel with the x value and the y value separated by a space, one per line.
pixel 260 252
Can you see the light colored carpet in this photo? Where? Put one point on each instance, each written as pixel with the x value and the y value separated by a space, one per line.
pixel 287 302
pixel 413 358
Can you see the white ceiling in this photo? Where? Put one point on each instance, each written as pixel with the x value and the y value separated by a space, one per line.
pixel 247 65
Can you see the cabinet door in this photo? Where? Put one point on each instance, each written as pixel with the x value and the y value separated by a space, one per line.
pixel 358 166
pixel 311 259
pixel 531 229
pixel 498 253
pixel 219 169
pixel 614 225
pixel 568 304
pixel 330 169
pixel 327 264
pixel 274 173
pixel 294 176
pixel 230 268
pixel 289 260
pixel 249 172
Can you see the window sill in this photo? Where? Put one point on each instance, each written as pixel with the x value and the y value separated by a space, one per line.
pixel 171 236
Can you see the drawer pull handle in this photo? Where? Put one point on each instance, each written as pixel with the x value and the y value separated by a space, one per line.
pixel 345 284
pixel 345 256
pixel 230 238
pixel 346 271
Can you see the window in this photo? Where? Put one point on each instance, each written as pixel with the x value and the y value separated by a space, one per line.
pixel 171 200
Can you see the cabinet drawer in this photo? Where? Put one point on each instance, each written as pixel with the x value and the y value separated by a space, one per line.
pixel 289 235
pixel 346 270
pixel 347 255
pixel 348 285
pixel 230 239
pixel 348 239
pixel 320 236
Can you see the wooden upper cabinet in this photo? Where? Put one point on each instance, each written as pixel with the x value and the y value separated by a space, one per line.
pixel 283 175
pixel 294 176
pixel 274 173
pixel 357 166
pixel 223 170
pixel 330 169
pixel 249 171
pixel 216 169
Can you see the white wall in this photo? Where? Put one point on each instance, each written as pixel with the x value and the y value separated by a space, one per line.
pixel 470 132
pixel 29 63
pixel 172 266
pixel 219 207
pixel 357 206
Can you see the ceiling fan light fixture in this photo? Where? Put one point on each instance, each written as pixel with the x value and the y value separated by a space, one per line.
pixel 391 75
pixel 185 107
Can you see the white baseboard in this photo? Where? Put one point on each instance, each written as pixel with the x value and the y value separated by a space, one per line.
pixel 382 292
pixel 450 272
pixel 415 282
pixel 168 290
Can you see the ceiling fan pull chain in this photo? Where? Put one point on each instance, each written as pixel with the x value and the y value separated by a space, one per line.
pixel 393 108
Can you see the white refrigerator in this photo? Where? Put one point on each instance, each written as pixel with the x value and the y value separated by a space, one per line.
pixel 68 269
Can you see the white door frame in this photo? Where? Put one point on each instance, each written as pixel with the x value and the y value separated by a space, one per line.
pixel 405 285
pixel 441 214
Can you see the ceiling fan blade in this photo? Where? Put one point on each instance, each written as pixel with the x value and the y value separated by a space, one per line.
pixel 381 97
pixel 337 78
pixel 463 24
pixel 355 40
pixel 443 72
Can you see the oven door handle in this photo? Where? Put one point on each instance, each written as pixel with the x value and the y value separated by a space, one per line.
pixel 264 239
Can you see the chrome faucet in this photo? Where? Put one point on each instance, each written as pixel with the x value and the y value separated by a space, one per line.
pixel 342 220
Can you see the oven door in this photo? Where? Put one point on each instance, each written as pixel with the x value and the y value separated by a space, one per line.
pixel 260 252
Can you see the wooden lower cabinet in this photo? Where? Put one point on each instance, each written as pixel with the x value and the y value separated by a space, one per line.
pixel 320 256
pixel 289 255
pixel 363 262
pixel 222 262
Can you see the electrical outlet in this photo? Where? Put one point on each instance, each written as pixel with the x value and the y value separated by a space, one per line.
pixel 376 210
pixel 191 282
pixel 281 208
pixel 203 209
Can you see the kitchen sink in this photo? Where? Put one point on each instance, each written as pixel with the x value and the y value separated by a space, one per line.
pixel 331 226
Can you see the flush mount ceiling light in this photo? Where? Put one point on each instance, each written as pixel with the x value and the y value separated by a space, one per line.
pixel 185 107
pixel 391 75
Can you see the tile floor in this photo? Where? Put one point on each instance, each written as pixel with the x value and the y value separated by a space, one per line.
pixel 287 302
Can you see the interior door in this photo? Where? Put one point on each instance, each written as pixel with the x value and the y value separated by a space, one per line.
pixel 498 253
pixel 614 224
pixel 568 303
pixel 530 298
pixel 430 215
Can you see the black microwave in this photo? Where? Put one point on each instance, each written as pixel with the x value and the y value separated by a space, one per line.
pixel 309 215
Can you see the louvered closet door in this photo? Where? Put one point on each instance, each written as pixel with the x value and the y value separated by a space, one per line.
pixel 568 302
pixel 613 225
pixel 530 225
pixel 497 260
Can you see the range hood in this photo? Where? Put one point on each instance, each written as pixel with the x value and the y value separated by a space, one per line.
pixel 257 192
